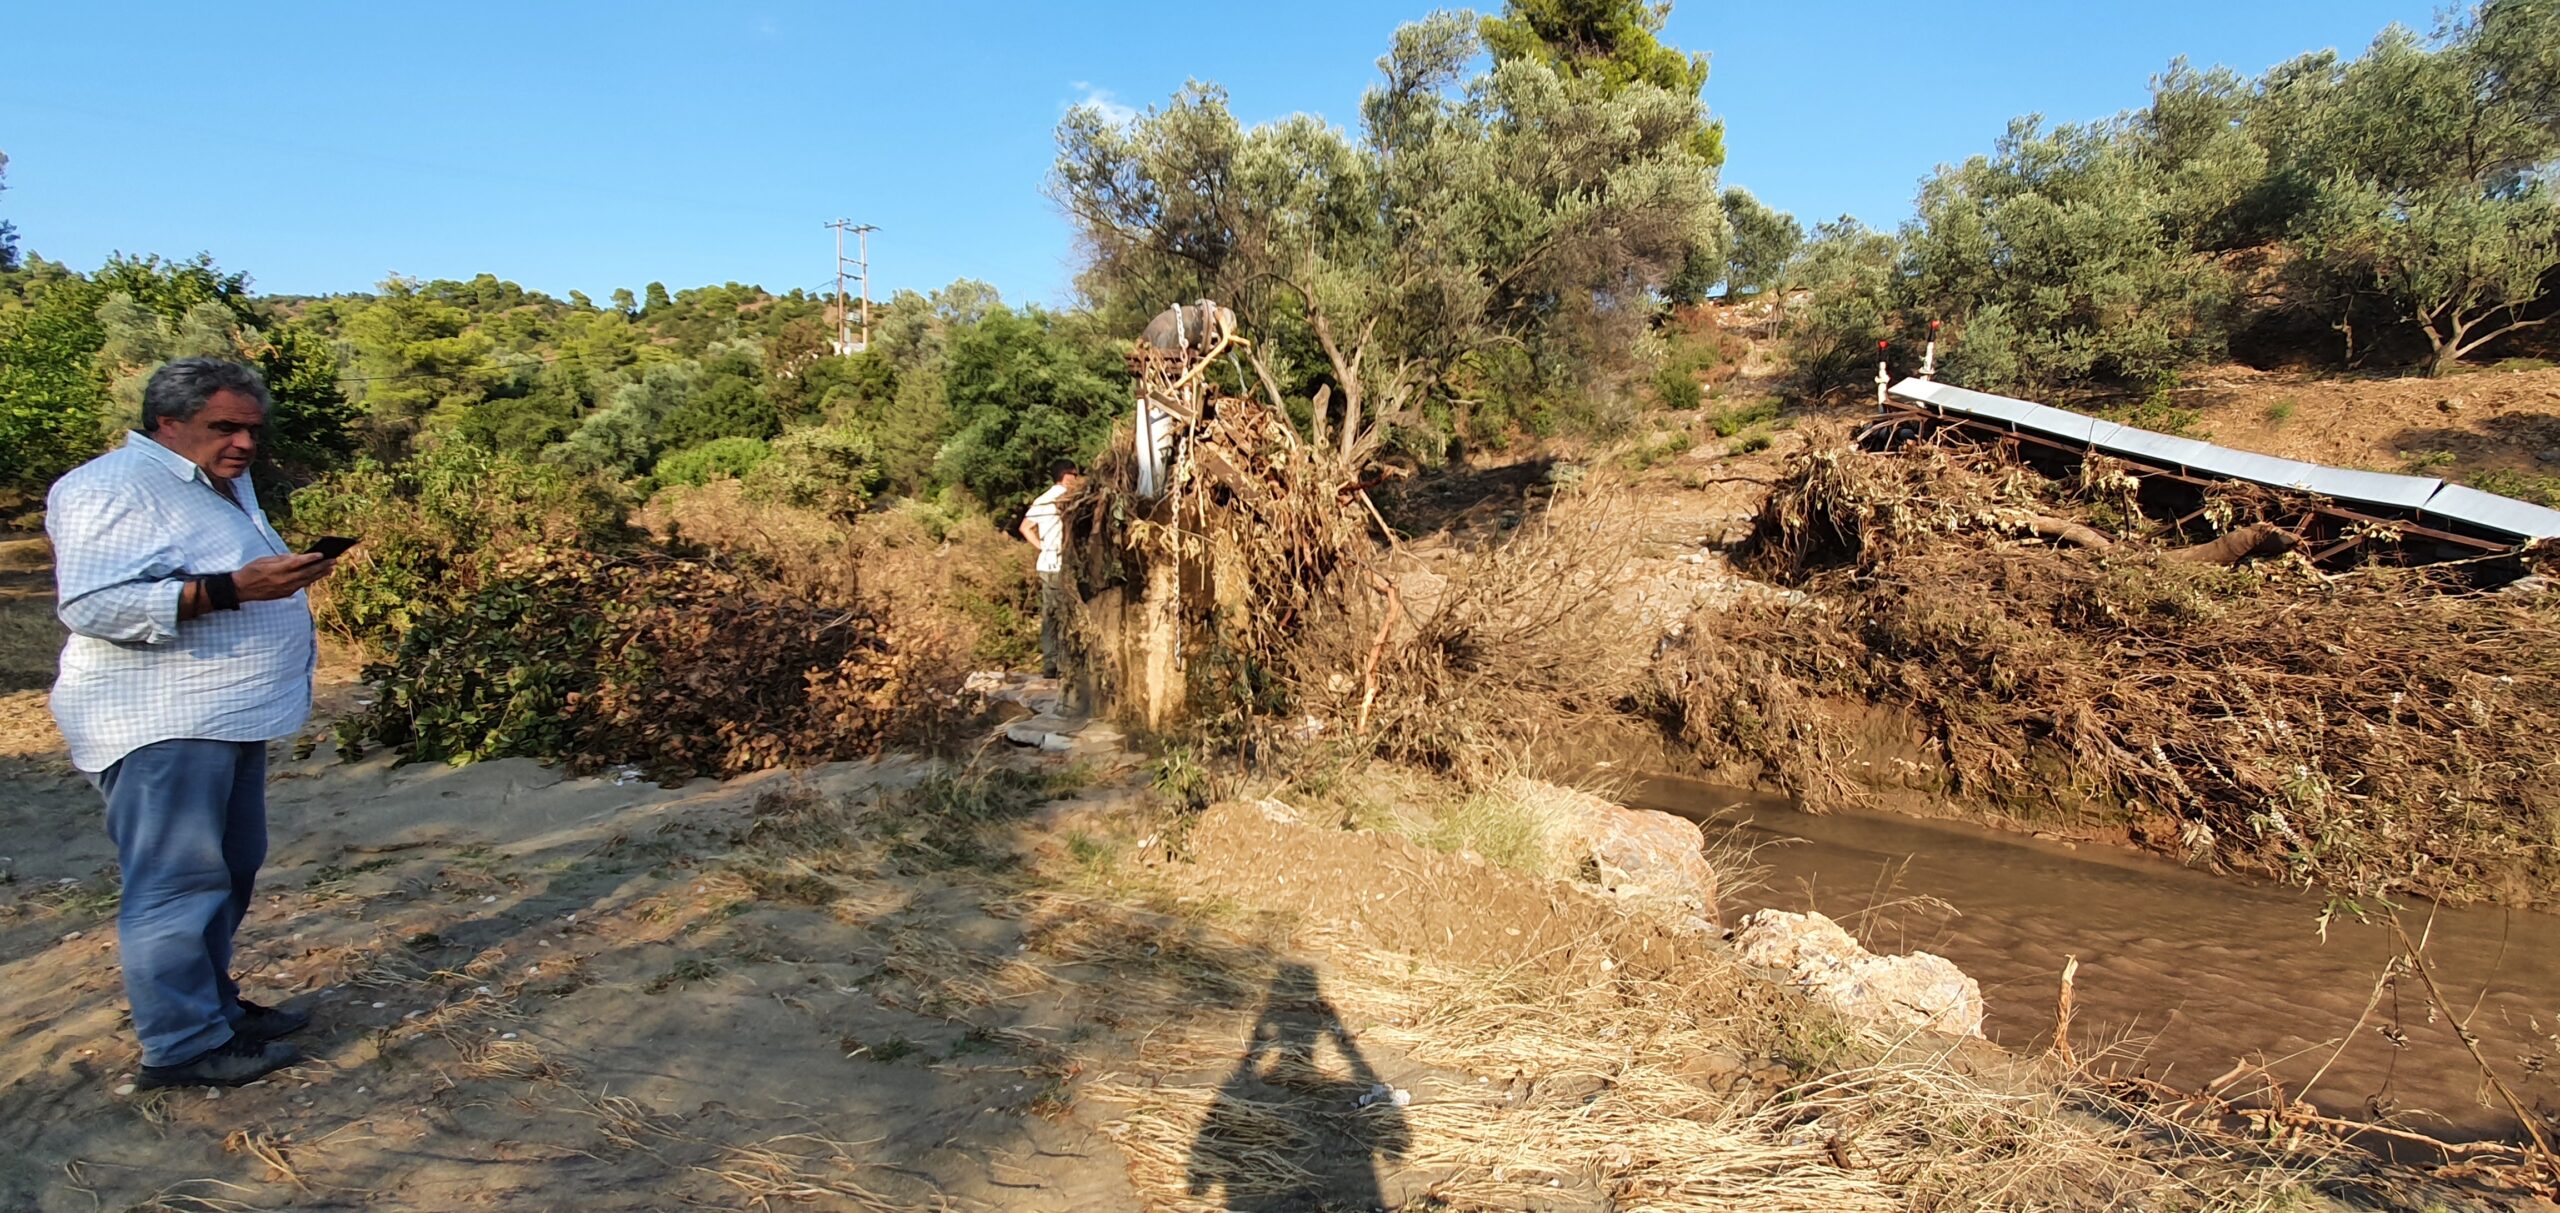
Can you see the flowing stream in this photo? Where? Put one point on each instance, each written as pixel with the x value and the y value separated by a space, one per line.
pixel 2181 971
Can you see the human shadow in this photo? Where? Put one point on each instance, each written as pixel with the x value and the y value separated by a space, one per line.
pixel 1287 1135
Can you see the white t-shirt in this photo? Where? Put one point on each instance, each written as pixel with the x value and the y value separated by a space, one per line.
pixel 1043 514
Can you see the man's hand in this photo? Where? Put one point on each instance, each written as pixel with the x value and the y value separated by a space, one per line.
pixel 271 577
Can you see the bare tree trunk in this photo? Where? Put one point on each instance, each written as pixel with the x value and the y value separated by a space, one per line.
pixel 1346 372
pixel 1271 388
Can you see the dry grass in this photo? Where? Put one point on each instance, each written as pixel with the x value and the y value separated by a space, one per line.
pixel 796 1168
pixel 1600 1089
pixel 1516 823
pixel 959 571
pixel 1513 639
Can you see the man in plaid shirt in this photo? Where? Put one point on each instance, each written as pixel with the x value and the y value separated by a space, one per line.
pixel 191 647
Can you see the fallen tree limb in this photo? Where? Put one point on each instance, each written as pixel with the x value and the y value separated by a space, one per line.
pixel 2063 531
pixel 2256 539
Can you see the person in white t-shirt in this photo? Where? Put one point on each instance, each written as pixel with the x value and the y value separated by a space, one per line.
pixel 1044 524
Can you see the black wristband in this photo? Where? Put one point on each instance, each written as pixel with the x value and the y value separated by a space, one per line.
pixel 221 593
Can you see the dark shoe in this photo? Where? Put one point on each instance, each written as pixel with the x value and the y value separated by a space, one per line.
pixel 268 1023
pixel 230 1064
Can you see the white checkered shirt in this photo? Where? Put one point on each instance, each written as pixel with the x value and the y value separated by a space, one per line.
pixel 1043 514
pixel 128 527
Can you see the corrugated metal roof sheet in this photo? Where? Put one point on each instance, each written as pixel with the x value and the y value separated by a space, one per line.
pixel 2519 518
pixel 2025 414
pixel 2372 488
pixel 2425 494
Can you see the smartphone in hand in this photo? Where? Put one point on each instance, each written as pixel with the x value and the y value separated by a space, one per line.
pixel 331 546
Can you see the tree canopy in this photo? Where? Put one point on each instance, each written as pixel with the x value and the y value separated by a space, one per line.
pixel 1486 240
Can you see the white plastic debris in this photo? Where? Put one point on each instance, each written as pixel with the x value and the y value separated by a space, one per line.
pixel 1382 1093
pixel 126 1089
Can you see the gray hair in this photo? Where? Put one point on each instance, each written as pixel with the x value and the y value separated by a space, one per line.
pixel 178 390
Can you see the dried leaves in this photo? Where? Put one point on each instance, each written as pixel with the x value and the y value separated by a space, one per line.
pixel 676 667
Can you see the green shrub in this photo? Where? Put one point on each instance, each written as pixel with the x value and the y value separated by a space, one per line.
pixel 2523 486
pixel 1676 385
pixel 2157 414
pixel 833 469
pixel 1740 417
pixel 718 459
pixel 433 526
pixel 1677 389
pixel 1647 454
pixel 2279 413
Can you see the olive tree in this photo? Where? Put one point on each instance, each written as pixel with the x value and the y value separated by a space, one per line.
pixel 2062 243
pixel 1479 232
pixel 2465 264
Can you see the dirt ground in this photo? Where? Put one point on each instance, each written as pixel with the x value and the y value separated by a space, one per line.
pixel 537 992
pixel 2457 427
pixel 531 991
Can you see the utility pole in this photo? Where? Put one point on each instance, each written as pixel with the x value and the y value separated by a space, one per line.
pixel 860 263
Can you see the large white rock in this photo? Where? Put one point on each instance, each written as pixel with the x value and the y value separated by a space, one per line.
pixel 1641 854
pixel 1918 990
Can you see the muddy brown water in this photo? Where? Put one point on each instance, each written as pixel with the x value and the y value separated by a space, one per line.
pixel 2183 971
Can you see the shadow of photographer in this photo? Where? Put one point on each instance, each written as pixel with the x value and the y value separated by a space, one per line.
pixel 1284 1134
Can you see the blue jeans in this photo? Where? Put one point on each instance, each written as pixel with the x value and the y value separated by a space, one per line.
pixel 189 819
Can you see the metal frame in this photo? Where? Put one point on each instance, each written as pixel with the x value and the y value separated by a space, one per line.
pixel 1934 421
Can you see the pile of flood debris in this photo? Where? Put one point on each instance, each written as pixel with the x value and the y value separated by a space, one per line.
pixel 2040 647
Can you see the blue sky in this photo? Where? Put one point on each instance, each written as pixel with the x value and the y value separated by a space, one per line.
pixel 322 146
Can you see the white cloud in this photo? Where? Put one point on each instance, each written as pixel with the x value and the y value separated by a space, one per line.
pixel 1115 111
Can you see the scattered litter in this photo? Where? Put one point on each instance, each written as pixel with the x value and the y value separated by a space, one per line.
pixel 71 936
pixel 378 1006
pixel 126 1089
pixel 489 900
pixel 1382 1093
pixel 413 1015
pixel 626 777
pixel 484 991
pixel 506 1036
